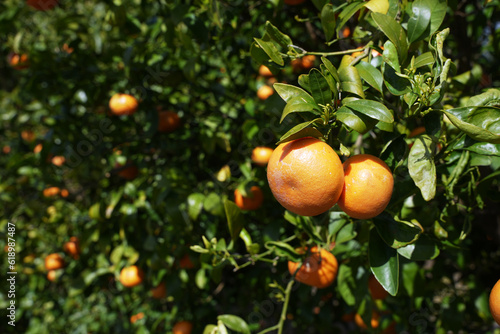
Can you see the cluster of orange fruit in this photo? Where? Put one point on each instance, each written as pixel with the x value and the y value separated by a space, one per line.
pixel 55 261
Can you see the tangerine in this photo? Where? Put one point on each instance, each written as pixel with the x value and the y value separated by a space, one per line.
pixel 123 104
pixel 261 155
pixel 182 327
pixel 18 61
pixel 168 121
pixel 249 203
pixel 375 321
pixel 495 302
pixel 131 276
pixel 72 247
pixel 159 291
pixel 319 269
pixel 377 291
pixel 54 261
pixel 42 5
pixel 265 71
pixel 264 92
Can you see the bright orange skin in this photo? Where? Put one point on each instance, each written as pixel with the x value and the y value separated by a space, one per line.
pixel 308 61
pixel 58 160
pixel 42 4
pixel 160 291
pixel 417 131
pixel 294 2
pixel 72 247
pixel 52 275
pixel 123 104
pixel 261 155
pixel 28 135
pixel 375 322
pixel 377 291
pixel 136 317
pixel 318 270
pixel 168 121
pixel 131 276
pixel 6 149
pixel 182 327
pixel 264 92
pixel 368 186
pixel 265 71
pixel 249 203
pixel 346 32
pixel 38 148
pixel 51 191
pixel 18 61
pixel 64 193
pixel 54 261
pixel 305 176
pixel 495 302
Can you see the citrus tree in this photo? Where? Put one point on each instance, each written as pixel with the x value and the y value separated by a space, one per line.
pixel 200 166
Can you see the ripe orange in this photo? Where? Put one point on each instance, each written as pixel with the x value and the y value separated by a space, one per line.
pixel 28 135
pixel 294 2
pixel 67 49
pixel 368 186
pixel 123 104
pixel 58 160
pixel 346 32
pixel 377 291
pixel 54 261
pixel 52 275
pixel 127 172
pixel 51 191
pixel 38 148
pixel 249 203
pixel 308 61
pixel 375 321
pixel 186 263
pixel 264 92
pixel 136 317
pixel 168 121
pixel 182 327
pixel 160 291
pixel 265 71
pixel 261 155
pixel 131 276
pixel 64 193
pixel 6 149
pixel 42 4
pixel 417 131
pixel 495 302
pixel 18 61
pixel 72 247
pixel 319 269
pixel 305 176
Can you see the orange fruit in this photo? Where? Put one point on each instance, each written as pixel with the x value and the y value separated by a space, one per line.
pixel 58 160
pixel 261 155
pixel 294 2
pixel 319 269
pixel 305 176
pixel 42 4
pixel 368 186
pixel 168 121
pixel 6 149
pixel 182 327
pixel 54 261
pixel 18 61
pixel 52 275
pixel 72 247
pixel 136 317
pixel 38 148
pixel 495 302
pixel 51 191
pixel 160 291
pixel 64 193
pixel 249 203
pixel 28 135
pixel 186 263
pixel 67 49
pixel 308 61
pixel 417 131
pixel 128 172
pixel 346 32
pixel 377 291
pixel 131 276
pixel 265 71
pixel 375 321
pixel 123 104
pixel 264 92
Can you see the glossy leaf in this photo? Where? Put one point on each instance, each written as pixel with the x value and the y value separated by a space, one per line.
pixel 424 59
pixel 258 54
pixel 270 49
pixel 371 75
pixel 390 56
pixel 297 104
pixel 438 12
pixel 346 233
pixel 299 131
pixel 350 81
pixel 288 91
pixel 195 205
pixel 489 98
pixel 329 66
pixel 394 83
pixel 419 20
pixel 423 249
pixel 348 12
pixel 378 6
pixel 421 166
pixel 304 82
pixel 352 282
pixel 282 39
pixel 331 81
pixel 336 222
pixel 328 21
pixel 384 263
pixel 373 109
pixel 284 250
pixel 394 32
pixel 320 88
pixel 234 323
pixel 480 123
pixel 394 152
pixel 483 148
pixel 234 217
pixel 355 120
pixel 396 233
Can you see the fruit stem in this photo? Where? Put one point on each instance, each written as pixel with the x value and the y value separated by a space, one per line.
pixel 280 324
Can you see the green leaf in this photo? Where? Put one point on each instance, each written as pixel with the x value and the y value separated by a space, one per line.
pixel 480 123
pixel 390 55
pixel 489 98
pixel 201 279
pixel 371 75
pixel 301 130
pixel 284 250
pixel 258 54
pixel 329 66
pixel 373 109
pixel 438 10
pixel 304 82
pixel 234 217
pixel 213 204
pixel 195 205
pixel 271 50
pixel 350 81
pixel 394 83
pixel 393 30
pixel 320 88
pixel 410 271
pixel 384 263
pixel 419 20
pixel 347 12
pixel 423 249
pixel 469 144
pixel 328 21
pixel 282 39
pixel 394 152
pixel 355 120
pixel 336 222
pixel 297 104
pixel 352 282
pixel 288 92
pixel 378 6
pixel 421 166
pixel 396 233
pixel 346 233
pixel 424 59
pixel 115 198
pixel 234 323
